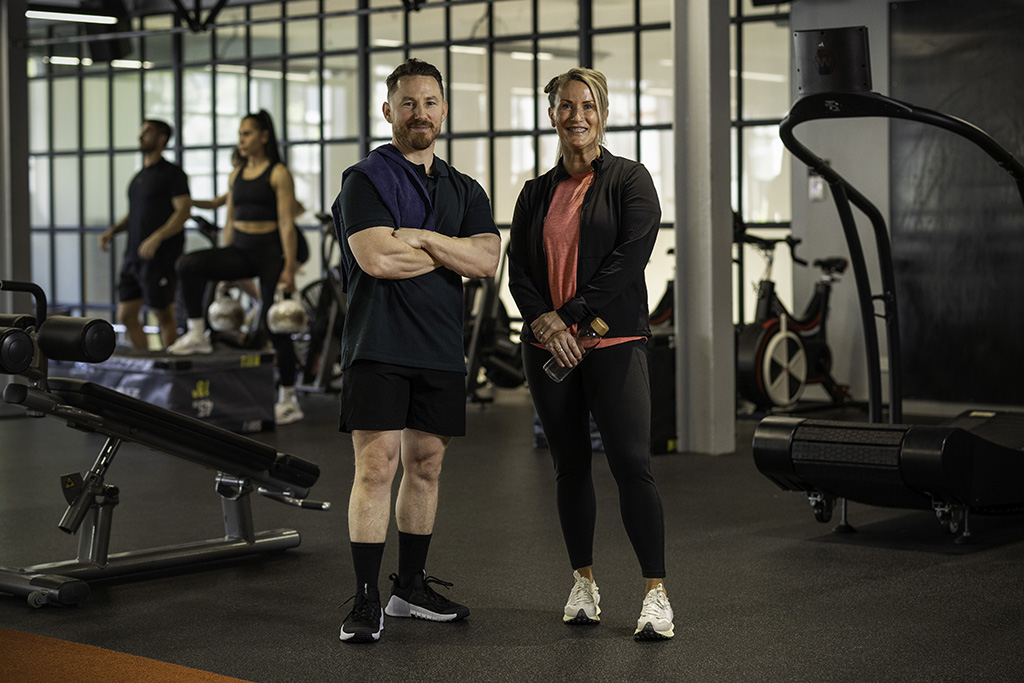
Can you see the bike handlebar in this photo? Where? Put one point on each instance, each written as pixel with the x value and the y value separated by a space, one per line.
pixel 768 245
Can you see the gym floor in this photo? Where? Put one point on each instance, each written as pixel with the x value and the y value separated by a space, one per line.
pixel 761 591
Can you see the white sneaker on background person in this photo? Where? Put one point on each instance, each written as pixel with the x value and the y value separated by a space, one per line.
pixel 191 343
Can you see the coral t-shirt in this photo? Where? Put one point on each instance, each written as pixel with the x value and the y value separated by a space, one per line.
pixel 562 243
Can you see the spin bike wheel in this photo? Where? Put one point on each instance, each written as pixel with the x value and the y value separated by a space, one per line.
pixel 315 299
pixel 772 365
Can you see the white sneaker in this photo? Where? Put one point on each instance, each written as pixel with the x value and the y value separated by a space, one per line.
pixel 582 607
pixel 655 622
pixel 287 412
pixel 192 342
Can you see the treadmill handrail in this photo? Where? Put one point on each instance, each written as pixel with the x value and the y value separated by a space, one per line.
pixel 833 105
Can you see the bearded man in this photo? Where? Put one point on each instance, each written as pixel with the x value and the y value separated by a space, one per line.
pixel 411 228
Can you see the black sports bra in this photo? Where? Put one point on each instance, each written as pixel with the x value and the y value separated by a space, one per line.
pixel 255 200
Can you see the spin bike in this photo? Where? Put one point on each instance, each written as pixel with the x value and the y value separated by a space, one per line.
pixel 318 350
pixel 778 354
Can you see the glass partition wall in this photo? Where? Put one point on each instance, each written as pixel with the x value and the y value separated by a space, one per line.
pixel 318 66
pixel 760 78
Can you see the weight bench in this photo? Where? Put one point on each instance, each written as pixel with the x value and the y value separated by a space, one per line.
pixel 242 464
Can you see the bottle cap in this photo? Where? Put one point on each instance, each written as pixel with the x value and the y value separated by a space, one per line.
pixel 599 326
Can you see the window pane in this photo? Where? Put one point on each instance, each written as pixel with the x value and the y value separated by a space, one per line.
pixel 231 102
pixel 387 29
pixel 734 181
pixel 765 70
pixel 612 13
pixel 127 114
pixel 160 95
pixel 65 116
pixel 67 177
pixel 547 151
pixel 199 167
pixel 197 47
pixel 622 144
pixel 427 26
pixel 96 183
pixel 67 287
pixel 512 18
pixel 38 116
pixel 341 97
pixel 613 56
pixel 304 163
pixel 265 91
pixel 340 33
pixel 733 109
pixel 197 108
pixel 473 157
pixel 158 47
pixel 381 64
pixel 558 16
pixel 657 78
pixel 554 57
pixel 126 165
pixel 514 108
pixel 655 11
pixel 303 36
pixel 469 21
pixel 466 91
pixel 230 40
pixel 265 39
pixel 657 153
pixel 517 168
pixel 765 182
pixel 96 264
pixel 96 113
pixel 303 87
pixel 337 157
pixel 39 191
pixel 42 252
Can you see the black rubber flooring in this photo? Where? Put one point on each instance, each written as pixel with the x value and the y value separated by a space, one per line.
pixel 761 591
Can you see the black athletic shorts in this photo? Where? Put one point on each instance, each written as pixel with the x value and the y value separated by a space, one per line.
pixel 382 397
pixel 154 281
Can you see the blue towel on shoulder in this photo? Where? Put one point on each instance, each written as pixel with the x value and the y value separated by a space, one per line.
pixel 400 186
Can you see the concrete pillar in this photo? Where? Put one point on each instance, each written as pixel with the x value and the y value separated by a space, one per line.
pixel 705 365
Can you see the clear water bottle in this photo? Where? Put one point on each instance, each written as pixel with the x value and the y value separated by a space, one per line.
pixel 586 338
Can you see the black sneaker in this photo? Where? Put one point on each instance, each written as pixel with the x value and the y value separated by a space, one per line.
pixel 366 620
pixel 419 601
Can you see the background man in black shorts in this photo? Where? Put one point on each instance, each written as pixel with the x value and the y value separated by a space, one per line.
pixel 411 227
pixel 158 206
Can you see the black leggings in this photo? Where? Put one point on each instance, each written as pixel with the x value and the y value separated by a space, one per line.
pixel 248 255
pixel 613 385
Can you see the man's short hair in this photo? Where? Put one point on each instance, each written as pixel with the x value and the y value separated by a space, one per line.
pixel 413 67
pixel 162 127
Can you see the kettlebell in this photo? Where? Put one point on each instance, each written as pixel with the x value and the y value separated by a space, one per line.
pixel 285 316
pixel 226 312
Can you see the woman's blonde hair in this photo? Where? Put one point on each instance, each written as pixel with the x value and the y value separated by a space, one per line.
pixel 598 85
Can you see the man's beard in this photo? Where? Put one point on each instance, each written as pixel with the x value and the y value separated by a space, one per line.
pixel 417 140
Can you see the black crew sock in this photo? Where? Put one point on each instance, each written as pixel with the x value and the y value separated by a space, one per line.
pixel 366 558
pixel 412 556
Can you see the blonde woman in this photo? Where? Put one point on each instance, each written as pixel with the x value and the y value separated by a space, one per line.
pixel 581 236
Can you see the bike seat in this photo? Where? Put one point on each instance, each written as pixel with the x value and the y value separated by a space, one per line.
pixel 831 265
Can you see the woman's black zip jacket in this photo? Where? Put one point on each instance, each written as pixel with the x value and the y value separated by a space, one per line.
pixel 618 226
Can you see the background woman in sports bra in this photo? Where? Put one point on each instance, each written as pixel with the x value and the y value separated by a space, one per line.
pixel 259 241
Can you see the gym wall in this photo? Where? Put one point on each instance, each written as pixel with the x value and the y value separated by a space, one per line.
pixel 957 218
